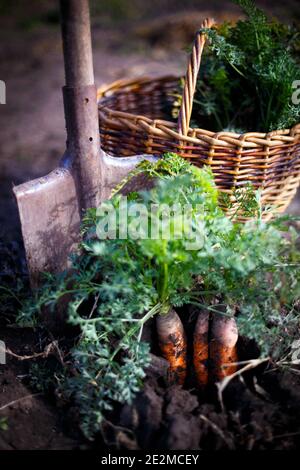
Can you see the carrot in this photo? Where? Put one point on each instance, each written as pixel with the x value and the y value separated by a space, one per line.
pixel 224 336
pixel 172 342
pixel 201 348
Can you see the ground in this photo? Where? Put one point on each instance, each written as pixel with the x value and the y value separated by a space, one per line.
pixel 128 41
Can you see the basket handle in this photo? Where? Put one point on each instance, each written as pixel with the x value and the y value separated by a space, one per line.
pixel 191 78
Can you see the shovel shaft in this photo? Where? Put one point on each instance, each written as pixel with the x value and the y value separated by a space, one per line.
pixel 80 102
pixel 83 143
pixel 77 48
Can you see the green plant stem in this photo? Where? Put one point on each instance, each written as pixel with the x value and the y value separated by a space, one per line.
pixel 236 69
pixel 163 282
pixel 267 121
pixel 208 307
pixel 10 292
pixel 133 330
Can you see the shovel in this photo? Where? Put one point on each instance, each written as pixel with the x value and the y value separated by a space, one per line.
pixel 51 207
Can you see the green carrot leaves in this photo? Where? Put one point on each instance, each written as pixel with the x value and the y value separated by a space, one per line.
pixel 117 285
pixel 246 77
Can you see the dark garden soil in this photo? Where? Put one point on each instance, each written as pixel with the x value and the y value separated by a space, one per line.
pixel 28 419
pixel 261 410
pixel 174 418
pixel 32 421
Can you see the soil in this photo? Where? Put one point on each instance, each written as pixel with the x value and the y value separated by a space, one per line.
pixel 258 411
pixel 261 410
pixel 175 418
pixel 33 422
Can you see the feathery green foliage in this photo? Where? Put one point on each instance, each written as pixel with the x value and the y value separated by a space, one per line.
pixel 247 74
pixel 117 285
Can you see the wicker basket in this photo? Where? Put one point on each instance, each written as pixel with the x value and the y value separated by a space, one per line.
pixel 134 120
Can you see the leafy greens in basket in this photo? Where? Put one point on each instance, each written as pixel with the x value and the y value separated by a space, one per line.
pixel 247 74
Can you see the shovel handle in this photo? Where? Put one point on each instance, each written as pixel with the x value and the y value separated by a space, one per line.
pixel 80 101
pixel 77 44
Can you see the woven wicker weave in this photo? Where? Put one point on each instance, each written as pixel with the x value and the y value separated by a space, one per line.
pixel 135 119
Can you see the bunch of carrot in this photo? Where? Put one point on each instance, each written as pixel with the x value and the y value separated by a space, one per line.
pixel 214 346
pixel 215 336
pixel 120 283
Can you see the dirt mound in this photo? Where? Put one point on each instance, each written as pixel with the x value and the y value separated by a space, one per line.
pixel 261 409
pixel 263 416
pixel 28 419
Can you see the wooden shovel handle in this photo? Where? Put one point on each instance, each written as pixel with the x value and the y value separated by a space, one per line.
pixel 77 45
pixel 80 101
pixel 191 78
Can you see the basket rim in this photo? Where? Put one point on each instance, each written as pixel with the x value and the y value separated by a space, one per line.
pixel 249 139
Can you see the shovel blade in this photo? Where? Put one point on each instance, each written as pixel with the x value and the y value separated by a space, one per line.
pixel 50 212
pixel 50 219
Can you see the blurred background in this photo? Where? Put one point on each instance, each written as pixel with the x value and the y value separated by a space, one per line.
pixel 130 38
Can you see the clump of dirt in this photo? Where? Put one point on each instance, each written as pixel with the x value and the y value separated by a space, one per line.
pixel 13 278
pixel 259 410
pixel 28 418
pixel 261 417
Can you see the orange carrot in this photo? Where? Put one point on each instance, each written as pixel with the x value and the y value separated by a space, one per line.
pixel 172 342
pixel 222 347
pixel 201 348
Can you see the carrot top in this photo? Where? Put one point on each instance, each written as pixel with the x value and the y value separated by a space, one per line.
pixel 179 248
